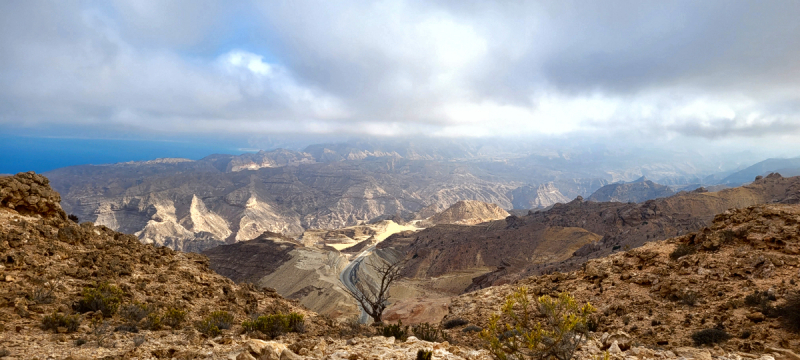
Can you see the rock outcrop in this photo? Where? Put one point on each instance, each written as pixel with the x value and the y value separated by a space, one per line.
pixel 30 193
pixel 637 191
pixel 469 212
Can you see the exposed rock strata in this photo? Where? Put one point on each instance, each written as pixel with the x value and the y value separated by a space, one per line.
pixel 542 196
pixel 176 203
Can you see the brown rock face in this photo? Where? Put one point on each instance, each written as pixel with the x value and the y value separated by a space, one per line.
pixel 30 193
pixel 740 269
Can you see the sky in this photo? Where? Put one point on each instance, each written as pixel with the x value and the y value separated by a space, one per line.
pixel 705 72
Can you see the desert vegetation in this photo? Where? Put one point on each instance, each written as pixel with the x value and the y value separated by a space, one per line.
pixel 542 328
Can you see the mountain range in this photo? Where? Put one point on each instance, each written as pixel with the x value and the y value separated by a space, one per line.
pixel 652 300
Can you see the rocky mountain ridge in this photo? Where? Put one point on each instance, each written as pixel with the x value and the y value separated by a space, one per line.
pixel 506 250
pixel 330 186
pixel 194 205
pixel 637 191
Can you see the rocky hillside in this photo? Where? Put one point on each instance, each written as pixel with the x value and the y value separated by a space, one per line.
pixel 49 263
pixel 637 191
pixel 306 274
pixel 535 197
pixel 503 251
pixel 736 275
pixel 469 212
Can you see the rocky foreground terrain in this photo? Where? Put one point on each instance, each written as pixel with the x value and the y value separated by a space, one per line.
pixel 735 276
pixel 50 265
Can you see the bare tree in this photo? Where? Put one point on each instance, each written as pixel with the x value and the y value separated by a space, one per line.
pixel 374 300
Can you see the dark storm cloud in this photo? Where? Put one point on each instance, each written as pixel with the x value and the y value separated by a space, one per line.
pixel 712 69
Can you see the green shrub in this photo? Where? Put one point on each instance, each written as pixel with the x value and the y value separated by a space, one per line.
pixel 174 318
pixel 449 324
pixel 789 312
pixel 710 336
pixel 689 298
pixel 428 332
pixel 152 322
pixel 213 324
pixel 541 329
pixel 394 330
pixel 57 320
pixel 682 250
pixel 760 300
pixel 136 312
pixel 208 328
pixel 45 290
pixel 424 354
pixel 222 319
pixel 276 325
pixel 105 298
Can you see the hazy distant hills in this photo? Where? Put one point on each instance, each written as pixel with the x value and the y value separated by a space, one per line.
pixel 786 167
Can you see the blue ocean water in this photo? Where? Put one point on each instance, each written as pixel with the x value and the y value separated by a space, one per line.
pixel 40 154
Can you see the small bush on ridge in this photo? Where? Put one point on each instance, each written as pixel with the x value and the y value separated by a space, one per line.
pixel 56 320
pixel 105 298
pixel 449 324
pixel 428 332
pixel 789 312
pixel 540 329
pixel 682 250
pixel 394 330
pixel 213 324
pixel 424 354
pixel 152 322
pixel 276 325
pixel 174 318
pixel 136 312
pixel 710 336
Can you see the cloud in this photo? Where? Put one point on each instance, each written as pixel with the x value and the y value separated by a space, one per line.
pixel 715 70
